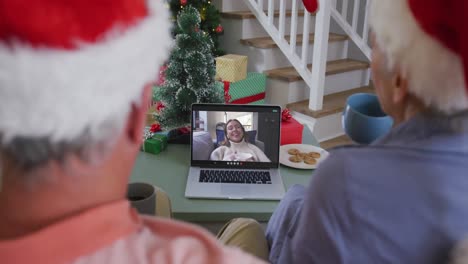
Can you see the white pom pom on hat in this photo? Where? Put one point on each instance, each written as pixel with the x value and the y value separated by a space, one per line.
pixel 69 66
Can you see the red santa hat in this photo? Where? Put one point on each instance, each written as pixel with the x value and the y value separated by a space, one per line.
pixel 428 39
pixel 71 66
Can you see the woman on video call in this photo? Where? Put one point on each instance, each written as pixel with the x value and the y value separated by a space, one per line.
pixel 235 146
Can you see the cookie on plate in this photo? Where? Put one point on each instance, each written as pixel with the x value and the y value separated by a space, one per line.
pixel 310 161
pixel 314 155
pixel 293 151
pixel 295 159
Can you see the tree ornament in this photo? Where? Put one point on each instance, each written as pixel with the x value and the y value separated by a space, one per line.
pixel 219 29
pixel 183 2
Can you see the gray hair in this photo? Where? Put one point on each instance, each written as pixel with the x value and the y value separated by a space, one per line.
pixel 28 154
pixel 435 73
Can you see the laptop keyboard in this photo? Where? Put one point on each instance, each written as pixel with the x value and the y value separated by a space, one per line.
pixel 241 176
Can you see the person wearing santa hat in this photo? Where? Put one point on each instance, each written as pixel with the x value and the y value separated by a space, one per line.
pixel 73 96
pixel 403 198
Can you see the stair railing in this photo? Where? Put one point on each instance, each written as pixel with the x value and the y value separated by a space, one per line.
pixel 314 76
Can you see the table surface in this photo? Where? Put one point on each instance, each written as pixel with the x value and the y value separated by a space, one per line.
pixel 169 169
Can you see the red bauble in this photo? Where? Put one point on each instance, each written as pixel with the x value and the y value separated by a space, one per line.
pixel 219 29
pixel 155 128
pixel 183 2
pixel 159 106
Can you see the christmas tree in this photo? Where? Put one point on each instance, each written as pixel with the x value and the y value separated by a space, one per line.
pixel 210 19
pixel 189 74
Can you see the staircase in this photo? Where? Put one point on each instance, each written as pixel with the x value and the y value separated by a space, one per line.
pixel 282 41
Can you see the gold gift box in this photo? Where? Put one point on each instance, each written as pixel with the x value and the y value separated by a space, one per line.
pixel 231 68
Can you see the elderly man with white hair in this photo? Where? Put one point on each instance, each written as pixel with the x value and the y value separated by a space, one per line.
pixel 73 102
pixel 403 198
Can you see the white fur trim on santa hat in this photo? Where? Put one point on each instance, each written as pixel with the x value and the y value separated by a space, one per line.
pixel 59 94
pixel 434 73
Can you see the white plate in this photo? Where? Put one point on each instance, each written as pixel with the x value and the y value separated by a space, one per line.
pixel 284 156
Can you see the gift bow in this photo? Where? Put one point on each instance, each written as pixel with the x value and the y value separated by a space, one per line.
pixel 286 115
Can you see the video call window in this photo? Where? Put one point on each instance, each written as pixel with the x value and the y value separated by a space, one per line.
pixel 234 136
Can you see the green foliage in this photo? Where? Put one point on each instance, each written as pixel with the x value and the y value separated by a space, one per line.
pixel 209 16
pixel 189 74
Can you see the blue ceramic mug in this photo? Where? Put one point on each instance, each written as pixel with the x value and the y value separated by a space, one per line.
pixel 363 118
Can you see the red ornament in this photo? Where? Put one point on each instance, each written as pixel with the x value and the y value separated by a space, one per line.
pixel 184 130
pixel 159 106
pixel 183 2
pixel 219 29
pixel 162 75
pixel 155 128
pixel 311 5
pixel 286 115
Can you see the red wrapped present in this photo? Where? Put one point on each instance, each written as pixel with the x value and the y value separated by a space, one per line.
pixel 291 132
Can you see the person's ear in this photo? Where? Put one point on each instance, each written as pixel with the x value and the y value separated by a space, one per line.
pixel 400 89
pixel 137 117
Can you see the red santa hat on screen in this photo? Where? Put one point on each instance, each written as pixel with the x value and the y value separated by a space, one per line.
pixel 70 66
pixel 429 41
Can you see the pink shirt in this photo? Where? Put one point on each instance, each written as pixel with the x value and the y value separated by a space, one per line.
pixel 115 233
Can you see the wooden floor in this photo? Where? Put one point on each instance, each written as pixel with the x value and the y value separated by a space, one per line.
pixel 336 142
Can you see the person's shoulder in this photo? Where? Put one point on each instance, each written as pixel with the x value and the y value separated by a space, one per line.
pixel 189 244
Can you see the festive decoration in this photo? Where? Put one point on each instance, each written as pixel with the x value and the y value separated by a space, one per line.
pixel 72 59
pixel 210 20
pixel 311 5
pixel 231 67
pixel 159 106
pixel 291 132
pixel 285 115
pixel 154 142
pixel 219 29
pixel 189 74
pixel 162 75
pixel 155 128
pixel 251 90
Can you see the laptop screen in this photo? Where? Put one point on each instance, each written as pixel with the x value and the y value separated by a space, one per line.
pixel 235 136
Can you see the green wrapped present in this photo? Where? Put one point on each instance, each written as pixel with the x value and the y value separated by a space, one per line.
pixel 154 144
pixel 251 90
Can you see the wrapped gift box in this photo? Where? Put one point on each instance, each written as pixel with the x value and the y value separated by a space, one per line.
pixel 155 144
pixel 231 68
pixel 291 132
pixel 251 90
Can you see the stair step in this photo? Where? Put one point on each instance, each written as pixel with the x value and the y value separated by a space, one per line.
pixel 250 15
pixel 332 103
pixel 268 43
pixel 335 142
pixel 290 74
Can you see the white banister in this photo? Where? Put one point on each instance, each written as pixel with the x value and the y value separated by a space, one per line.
pixel 344 9
pixel 314 78
pixel 292 41
pixel 319 62
pixel 271 12
pixel 305 39
pixel 365 33
pixel 355 13
pixel 282 18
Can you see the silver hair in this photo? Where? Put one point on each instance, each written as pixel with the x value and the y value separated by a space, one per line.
pixel 28 154
pixel 434 73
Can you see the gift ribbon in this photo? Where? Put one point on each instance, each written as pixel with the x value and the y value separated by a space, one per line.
pixel 249 99
pixel 227 96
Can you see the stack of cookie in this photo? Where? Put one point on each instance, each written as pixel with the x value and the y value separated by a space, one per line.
pixel 297 156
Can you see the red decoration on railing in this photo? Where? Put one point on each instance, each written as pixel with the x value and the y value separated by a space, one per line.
pixel 311 5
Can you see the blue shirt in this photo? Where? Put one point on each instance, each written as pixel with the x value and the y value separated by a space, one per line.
pixel 402 199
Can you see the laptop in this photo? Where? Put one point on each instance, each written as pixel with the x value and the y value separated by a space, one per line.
pixel 235 152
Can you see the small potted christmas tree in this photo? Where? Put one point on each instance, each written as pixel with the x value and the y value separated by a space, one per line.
pixel 189 77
